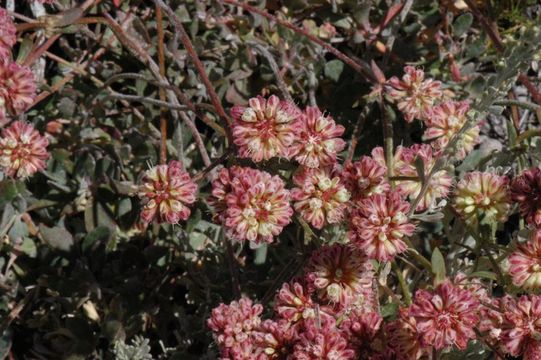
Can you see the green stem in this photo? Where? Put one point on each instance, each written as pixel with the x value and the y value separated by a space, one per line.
pixel 402 282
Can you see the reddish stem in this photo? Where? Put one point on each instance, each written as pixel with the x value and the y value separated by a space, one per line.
pixel 198 64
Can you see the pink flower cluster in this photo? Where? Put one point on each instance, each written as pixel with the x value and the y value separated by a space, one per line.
pixel 166 192
pixel 405 166
pixel 251 204
pixel 331 310
pixel 525 260
pixel 319 197
pixel 307 313
pixel 269 128
pixel 17 84
pixel 8 34
pixel 332 313
pixel 423 99
pixel 23 151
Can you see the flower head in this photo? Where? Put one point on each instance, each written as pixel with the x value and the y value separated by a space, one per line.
pixel 444 121
pixel 221 186
pixel 8 34
pixel 363 329
pixel 319 139
pixel 404 338
pixel 484 194
pixel 319 197
pixel 379 224
pixel 266 128
pixel 522 326
pixel 17 87
pixel 341 275
pixel 413 94
pixel 525 263
pixel 234 325
pixel 275 338
pixel 445 317
pixel 257 206
pixel 23 151
pixel 365 177
pixel 526 191
pixel 167 190
pixel 405 165
pixel 324 342
pixel 293 303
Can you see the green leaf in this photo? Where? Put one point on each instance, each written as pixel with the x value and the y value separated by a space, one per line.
pixel 197 240
pixel 462 24
pixel 29 247
pixel 438 266
pixel 99 234
pixel 484 274
pixel 389 310
pixel 56 237
pixel 333 69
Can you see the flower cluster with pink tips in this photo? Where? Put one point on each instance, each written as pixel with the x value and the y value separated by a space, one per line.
pixel 23 151
pixel 332 309
pixel 308 313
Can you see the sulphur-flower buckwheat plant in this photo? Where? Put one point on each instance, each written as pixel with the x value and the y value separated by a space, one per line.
pixel 259 180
